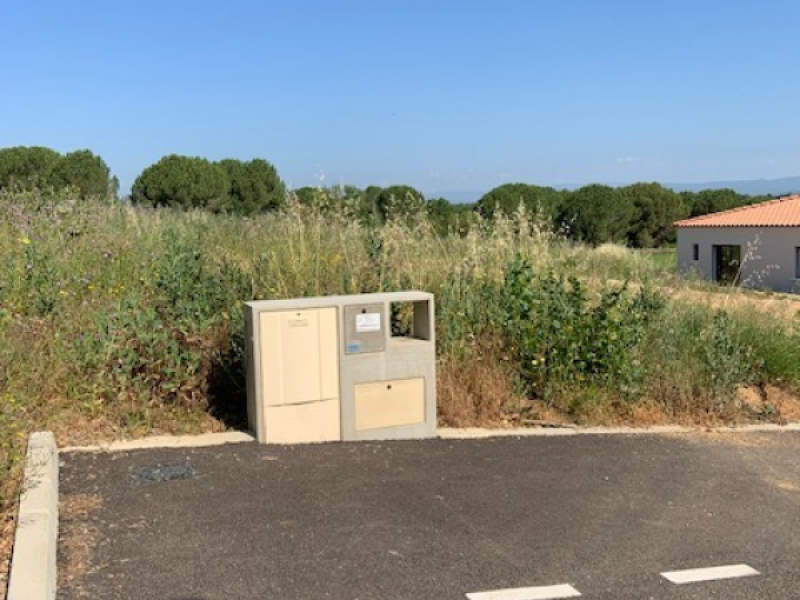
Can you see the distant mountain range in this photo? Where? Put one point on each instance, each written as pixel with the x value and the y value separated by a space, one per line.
pixel 753 187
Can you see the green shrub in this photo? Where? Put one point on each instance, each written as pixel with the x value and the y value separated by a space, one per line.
pixel 158 345
pixel 700 357
pixel 12 447
pixel 727 361
pixel 181 182
pixel 775 346
pixel 467 309
pixel 127 310
pixel 562 338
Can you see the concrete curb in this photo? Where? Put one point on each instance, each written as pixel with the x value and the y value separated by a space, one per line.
pixel 167 441
pixel 445 433
pixel 33 563
pixel 472 433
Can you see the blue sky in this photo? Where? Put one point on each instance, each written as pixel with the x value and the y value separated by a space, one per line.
pixel 445 96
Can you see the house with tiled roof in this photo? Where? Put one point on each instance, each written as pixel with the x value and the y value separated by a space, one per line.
pixel 755 246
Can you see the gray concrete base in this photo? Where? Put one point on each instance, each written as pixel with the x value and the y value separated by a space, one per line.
pixel 447 433
pixel 33 564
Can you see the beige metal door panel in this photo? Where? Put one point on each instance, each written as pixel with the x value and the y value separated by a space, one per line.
pixel 389 403
pixel 299 360
pixel 301 338
pixel 303 423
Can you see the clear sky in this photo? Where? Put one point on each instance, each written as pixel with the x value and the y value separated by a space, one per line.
pixel 442 95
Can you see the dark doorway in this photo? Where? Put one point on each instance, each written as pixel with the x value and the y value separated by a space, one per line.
pixel 727 260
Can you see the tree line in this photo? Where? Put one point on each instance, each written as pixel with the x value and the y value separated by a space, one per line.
pixel 26 168
pixel 639 215
pixel 230 185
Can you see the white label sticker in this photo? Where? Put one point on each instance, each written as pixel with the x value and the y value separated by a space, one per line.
pixel 368 322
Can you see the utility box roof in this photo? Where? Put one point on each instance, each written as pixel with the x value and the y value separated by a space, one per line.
pixel 322 301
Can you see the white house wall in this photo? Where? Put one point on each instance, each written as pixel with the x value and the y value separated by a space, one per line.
pixel 768 253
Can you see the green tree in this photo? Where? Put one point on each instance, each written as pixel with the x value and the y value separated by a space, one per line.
pixel 83 171
pixel 113 188
pixel 398 202
pixel 711 201
pixel 448 218
pixel 507 198
pixel 595 214
pixel 655 209
pixel 254 187
pixel 27 167
pixel 337 197
pixel 182 182
pixel 307 195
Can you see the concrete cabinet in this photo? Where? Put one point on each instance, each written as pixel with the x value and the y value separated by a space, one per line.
pixel 359 367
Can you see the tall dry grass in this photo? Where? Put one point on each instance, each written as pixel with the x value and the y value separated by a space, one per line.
pixel 118 320
pixel 128 320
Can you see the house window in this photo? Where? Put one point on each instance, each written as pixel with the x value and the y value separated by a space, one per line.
pixel 696 251
pixel 726 261
pixel 797 263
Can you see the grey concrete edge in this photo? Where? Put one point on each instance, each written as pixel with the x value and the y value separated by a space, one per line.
pixel 33 562
pixel 471 433
pixel 446 433
pixel 167 441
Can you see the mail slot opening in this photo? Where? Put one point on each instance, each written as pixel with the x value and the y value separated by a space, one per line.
pixel 410 320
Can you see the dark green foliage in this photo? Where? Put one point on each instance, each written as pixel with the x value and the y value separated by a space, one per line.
pixel 32 277
pixel 655 208
pixel 347 198
pixel 37 168
pixel 230 186
pixel 726 362
pixel 699 358
pixel 182 182
pixel 165 344
pixel 398 202
pixel 371 193
pixel 27 168
pixel 136 355
pixel 776 348
pixel 449 218
pixel 561 338
pixel 254 187
pixel 711 201
pixel 641 214
pixel 85 172
pixel 467 308
pixel 508 197
pixel 596 214
pixel 192 288
pixel 306 196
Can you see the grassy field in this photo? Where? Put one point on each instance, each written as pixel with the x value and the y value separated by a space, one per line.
pixel 121 321
pixel 664 260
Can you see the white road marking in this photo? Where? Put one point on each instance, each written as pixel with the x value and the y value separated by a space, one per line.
pixel 709 574
pixel 546 592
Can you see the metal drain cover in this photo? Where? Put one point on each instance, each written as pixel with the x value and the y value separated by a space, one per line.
pixel 158 473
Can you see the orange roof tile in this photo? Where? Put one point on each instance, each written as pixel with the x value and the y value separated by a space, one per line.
pixel 781 212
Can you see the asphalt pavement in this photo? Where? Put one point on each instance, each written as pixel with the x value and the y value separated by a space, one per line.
pixel 602 516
